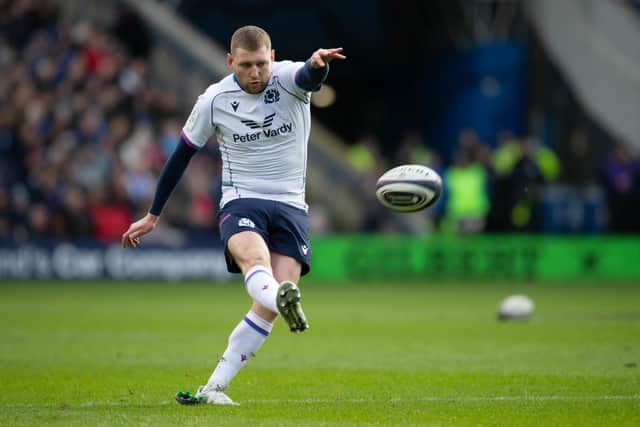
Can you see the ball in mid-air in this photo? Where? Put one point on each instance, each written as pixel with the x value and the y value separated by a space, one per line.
pixel 516 307
pixel 409 188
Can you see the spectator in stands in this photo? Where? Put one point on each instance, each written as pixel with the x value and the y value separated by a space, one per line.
pixel 365 158
pixel 108 212
pixel 524 183
pixel 521 166
pixel 76 214
pixel 621 179
pixel 364 155
pixel 466 192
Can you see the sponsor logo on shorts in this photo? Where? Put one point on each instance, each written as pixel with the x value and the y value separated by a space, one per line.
pixel 246 222
pixel 304 249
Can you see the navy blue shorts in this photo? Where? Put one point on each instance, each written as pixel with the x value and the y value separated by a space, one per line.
pixel 283 227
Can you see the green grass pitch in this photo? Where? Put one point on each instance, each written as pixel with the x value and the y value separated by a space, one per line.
pixel 115 353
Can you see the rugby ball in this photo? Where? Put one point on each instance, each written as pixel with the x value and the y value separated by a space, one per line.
pixel 409 188
pixel 516 307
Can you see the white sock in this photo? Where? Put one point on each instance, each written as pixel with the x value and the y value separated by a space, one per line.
pixel 244 342
pixel 262 287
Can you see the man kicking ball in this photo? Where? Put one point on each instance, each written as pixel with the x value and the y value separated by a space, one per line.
pixel 261 118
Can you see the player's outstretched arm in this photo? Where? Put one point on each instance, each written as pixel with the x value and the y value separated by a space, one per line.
pixel 169 178
pixel 321 57
pixel 315 70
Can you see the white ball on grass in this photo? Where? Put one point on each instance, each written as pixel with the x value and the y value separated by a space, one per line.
pixel 516 307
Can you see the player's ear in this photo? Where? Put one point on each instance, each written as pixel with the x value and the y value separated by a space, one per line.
pixel 229 61
pixel 273 55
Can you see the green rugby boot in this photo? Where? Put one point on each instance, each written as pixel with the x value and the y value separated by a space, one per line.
pixel 204 396
pixel 288 302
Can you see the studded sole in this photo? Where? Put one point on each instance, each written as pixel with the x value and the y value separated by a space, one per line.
pixel 288 301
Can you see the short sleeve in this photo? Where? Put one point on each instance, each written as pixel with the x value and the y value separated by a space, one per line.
pixel 287 77
pixel 199 126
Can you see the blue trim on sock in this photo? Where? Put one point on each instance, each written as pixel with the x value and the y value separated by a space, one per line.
pixel 256 327
pixel 254 273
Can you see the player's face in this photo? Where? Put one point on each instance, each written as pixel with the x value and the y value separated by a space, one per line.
pixel 251 67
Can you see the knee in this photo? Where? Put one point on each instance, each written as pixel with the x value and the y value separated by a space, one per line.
pixel 248 250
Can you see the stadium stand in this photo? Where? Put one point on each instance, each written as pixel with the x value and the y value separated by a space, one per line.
pixel 83 134
pixel 85 130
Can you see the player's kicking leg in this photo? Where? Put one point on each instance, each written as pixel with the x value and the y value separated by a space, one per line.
pixel 273 291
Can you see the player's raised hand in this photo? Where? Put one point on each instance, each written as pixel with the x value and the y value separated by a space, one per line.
pixel 131 238
pixel 322 57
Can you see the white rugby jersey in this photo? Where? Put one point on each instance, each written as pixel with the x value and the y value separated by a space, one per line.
pixel 262 137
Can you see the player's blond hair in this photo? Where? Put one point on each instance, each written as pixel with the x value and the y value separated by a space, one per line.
pixel 250 38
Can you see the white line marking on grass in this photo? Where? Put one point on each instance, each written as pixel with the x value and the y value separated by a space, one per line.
pixel 450 399
pixel 98 404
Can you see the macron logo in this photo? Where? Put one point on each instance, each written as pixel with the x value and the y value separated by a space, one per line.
pixel 304 249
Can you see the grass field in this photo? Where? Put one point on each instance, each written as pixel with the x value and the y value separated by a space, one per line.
pixel 113 353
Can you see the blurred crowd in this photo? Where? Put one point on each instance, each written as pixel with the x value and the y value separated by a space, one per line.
pixel 515 184
pixel 83 132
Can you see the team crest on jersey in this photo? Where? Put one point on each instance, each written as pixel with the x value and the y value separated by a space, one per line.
pixel 271 95
pixel 246 222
